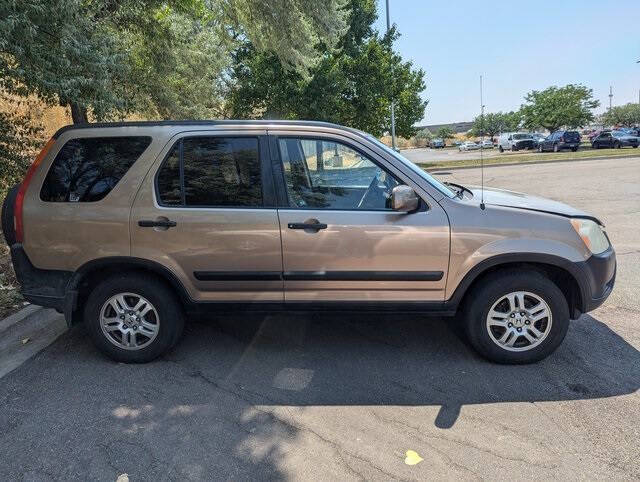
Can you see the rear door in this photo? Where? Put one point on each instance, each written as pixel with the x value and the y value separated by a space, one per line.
pixel 341 241
pixel 207 212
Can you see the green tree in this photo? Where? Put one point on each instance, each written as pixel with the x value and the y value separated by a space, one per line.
pixel 622 115
pixel 352 85
pixel 445 133
pixel 20 138
pixel 494 123
pixel 167 57
pixel 570 106
pixel 423 136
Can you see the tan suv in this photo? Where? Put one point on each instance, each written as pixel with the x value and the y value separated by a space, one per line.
pixel 130 227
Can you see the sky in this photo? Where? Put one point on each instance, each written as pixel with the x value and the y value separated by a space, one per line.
pixel 517 47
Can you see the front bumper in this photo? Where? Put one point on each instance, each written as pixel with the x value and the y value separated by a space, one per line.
pixel 598 275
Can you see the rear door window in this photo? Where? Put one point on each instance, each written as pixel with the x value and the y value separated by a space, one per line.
pixel 87 169
pixel 211 171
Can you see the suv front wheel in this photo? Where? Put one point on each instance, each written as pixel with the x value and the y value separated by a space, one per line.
pixel 516 317
pixel 133 319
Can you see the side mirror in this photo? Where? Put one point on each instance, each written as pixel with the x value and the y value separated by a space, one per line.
pixel 404 199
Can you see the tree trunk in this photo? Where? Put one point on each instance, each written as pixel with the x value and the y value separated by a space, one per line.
pixel 78 113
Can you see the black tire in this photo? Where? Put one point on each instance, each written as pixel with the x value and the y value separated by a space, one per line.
pixel 500 148
pixel 171 317
pixel 636 146
pixel 595 145
pixel 574 149
pixel 514 148
pixel 617 145
pixel 485 294
pixel 8 229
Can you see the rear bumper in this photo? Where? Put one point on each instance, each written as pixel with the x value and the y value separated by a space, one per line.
pixel 44 287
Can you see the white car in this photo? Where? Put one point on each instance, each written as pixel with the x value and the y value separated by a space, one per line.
pixel 468 146
pixel 486 144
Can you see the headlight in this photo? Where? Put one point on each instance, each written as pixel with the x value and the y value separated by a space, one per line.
pixel 592 234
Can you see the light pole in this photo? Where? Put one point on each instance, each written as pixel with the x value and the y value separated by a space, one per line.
pixel 393 113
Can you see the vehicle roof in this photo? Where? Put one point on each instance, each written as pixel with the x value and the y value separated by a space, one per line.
pixel 225 122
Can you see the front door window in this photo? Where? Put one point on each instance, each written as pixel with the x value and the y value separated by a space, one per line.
pixel 322 174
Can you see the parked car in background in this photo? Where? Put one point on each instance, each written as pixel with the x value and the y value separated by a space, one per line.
pixel 468 146
pixel 437 144
pixel 151 230
pixel 596 133
pixel 632 131
pixel 615 139
pixel 486 144
pixel 456 143
pixel 537 137
pixel 559 141
pixel 515 141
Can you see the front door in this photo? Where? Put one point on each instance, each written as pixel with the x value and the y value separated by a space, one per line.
pixel 341 241
pixel 206 213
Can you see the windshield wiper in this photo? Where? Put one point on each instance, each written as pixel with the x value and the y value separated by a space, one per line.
pixel 460 187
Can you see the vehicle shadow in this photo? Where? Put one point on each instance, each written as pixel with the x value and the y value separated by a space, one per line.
pixel 218 406
pixel 392 359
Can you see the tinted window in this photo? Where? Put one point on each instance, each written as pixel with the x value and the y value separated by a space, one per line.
pixel 571 136
pixel 169 189
pixel 87 169
pixel 217 172
pixel 329 175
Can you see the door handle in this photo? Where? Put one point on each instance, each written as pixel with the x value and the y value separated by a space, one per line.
pixel 159 223
pixel 307 226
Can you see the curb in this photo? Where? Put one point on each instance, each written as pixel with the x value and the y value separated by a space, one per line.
pixel 26 333
pixel 548 161
pixel 11 320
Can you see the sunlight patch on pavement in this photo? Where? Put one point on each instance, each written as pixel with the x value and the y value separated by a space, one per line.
pixel 412 458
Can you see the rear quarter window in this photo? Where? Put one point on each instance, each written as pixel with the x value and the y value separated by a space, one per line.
pixel 87 169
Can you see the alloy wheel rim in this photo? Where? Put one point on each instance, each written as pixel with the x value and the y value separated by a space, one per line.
pixel 129 321
pixel 519 321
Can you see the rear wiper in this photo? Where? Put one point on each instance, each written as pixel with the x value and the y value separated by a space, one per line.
pixel 460 187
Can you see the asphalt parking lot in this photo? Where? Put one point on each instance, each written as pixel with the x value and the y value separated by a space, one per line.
pixel 344 397
pixel 426 154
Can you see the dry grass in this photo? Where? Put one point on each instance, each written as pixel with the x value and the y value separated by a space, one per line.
pixel 51 118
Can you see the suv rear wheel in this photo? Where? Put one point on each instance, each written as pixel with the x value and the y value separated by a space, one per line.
pixel 516 318
pixel 133 319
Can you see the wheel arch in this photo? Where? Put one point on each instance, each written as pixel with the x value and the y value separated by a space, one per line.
pixel 565 274
pixel 91 273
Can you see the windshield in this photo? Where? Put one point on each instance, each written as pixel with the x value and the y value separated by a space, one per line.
pixel 618 133
pixel 429 178
pixel 521 136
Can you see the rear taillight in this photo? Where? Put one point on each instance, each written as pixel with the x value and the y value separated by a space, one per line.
pixel 17 209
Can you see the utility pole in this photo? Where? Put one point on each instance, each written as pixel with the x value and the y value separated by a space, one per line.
pixel 393 113
pixel 610 96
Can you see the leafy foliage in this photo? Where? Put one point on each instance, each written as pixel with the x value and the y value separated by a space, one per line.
pixel 494 123
pixel 422 137
pixel 622 115
pixel 158 57
pixel 352 85
pixel 20 138
pixel 445 133
pixel 570 106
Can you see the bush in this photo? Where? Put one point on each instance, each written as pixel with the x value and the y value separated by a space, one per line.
pixel 20 140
